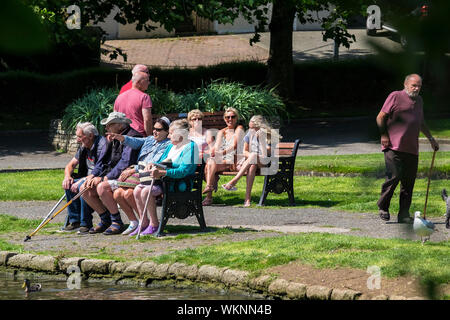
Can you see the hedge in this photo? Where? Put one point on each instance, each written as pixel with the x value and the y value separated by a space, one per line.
pixel 347 87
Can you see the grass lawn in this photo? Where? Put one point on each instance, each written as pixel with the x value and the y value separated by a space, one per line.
pixel 357 194
pixel 439 128
pixel 367 164
pixel 395 257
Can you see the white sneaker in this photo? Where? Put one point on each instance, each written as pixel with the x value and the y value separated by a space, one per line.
pixel 130 229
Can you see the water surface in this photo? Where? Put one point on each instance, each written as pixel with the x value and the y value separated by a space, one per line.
pixel 11 289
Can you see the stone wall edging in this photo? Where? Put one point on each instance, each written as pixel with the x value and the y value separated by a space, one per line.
pixel 60 139
pixel 268 285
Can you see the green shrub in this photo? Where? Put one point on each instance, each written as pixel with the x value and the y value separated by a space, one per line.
pixel 93 107
pixel 164 101
pixel 248 100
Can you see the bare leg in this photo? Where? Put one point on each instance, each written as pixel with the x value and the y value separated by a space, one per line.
pixel 250 179
pixel 121 196
pixel 140 198
pixel 151 208
pixel 92 199
pixel 210 171
pixel 252 159
pixel 105 194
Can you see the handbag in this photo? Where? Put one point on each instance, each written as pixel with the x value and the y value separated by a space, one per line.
pixel 130 182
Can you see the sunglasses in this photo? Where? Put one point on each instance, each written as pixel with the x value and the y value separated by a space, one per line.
pixel 158 129
pixel 230 117
pixel 195 119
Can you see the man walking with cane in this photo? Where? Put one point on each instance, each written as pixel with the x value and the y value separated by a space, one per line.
pixel 400 122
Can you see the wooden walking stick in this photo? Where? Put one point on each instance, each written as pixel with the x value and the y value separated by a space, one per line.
pixel 428 186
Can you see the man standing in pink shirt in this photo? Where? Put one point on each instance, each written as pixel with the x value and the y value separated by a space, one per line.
pixel 400 122
pixel 137 105
pixel 137 68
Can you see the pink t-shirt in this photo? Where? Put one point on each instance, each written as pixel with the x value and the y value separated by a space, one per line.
pixel 127 86
pixel 131 102
pixel 405 116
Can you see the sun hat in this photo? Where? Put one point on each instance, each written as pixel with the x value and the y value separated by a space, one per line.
pixel 115 117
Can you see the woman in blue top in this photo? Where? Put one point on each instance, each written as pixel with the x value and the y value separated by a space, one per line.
pixel 183 155
pixel 120 191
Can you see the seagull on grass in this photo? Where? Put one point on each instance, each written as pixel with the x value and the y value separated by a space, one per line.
pixel 423 227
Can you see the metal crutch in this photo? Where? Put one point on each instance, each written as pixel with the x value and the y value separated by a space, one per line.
pixel 51 211
pixel 79 194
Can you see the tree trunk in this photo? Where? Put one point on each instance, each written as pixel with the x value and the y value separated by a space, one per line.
pixel 280 64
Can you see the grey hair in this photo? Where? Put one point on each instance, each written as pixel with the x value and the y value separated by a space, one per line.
pixel 139 68
pixel 87 128
pixel 409 76
pixel 138 76
pixel 180 124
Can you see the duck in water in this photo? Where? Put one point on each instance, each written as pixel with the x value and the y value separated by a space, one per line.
pixel 31 287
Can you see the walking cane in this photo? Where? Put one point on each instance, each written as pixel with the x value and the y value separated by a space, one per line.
pixel 79 194
pixel 51 211
pixel 145 209
pixel 428 186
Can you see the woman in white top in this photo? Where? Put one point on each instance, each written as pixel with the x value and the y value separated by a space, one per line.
pixel 256 152
pixel 182 154
pixel 223 154
pixel 201 136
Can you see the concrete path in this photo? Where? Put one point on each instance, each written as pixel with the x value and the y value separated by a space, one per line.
pixel 190 52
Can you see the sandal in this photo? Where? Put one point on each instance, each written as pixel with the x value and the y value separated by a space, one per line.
pixel 247 204
pixel 114 228
pixel 101 227
pixel 228 188
pixel 208 188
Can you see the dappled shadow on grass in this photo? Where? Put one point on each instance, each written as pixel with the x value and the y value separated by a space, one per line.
pixel 188 231
pixel 278 202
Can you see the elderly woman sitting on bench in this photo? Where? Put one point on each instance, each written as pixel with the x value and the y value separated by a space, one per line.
pixel 120 191
pixel 182 155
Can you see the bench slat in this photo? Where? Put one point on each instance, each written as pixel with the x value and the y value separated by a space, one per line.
pixel 286 145
pixel 284 152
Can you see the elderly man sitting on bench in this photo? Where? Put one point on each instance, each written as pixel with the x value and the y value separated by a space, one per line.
pixel 121 157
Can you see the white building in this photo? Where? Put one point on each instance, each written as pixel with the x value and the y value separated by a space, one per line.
pixel 116 30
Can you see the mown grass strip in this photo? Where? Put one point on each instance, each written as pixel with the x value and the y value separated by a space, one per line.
pixel 42 185
pixel 395 257
pixel 355 194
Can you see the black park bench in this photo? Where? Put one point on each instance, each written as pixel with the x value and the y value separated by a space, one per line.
pixel 182 204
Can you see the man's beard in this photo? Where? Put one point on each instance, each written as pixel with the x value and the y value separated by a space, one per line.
pixel 412 94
